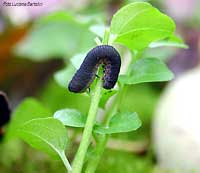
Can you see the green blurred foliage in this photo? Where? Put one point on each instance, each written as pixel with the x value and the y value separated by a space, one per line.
pixel 56 36
pixel 122 162
pixel 16 157
pixel 56 97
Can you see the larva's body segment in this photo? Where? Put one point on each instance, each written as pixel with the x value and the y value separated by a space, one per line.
pixel 103 54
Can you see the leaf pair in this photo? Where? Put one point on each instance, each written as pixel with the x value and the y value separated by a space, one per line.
pixel 49 134
pixel 120 122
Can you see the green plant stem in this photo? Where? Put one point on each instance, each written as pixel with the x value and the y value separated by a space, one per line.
pixel 101 145
pixel 106 36
pixel 65 161
pixel 93 163
pixel 87 133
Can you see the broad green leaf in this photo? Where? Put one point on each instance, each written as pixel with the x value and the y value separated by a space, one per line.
pixel 147 70
pixel 71 117
pixel 138 24
pixel 29 109
pixel 120 122
pixel 46 134
pixel 64 76
pixel 127 13
pixel 172 41
pixel 55 36
pixel 105 97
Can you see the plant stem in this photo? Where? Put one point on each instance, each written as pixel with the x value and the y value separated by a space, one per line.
pixel 65 161
pixel 101 145
pixel 93 163
pixel 106 36
pixel 87 133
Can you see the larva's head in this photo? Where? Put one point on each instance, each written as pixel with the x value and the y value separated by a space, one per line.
pixel 76 87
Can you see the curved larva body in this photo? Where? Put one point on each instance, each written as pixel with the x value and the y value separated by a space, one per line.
pixel 103 54
pixel 4 109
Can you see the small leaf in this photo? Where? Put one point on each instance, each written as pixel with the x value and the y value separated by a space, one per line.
pixel 138 24
pixel 71 117
pixel 46 134
pixel 147 70
pixel 120 122
pixel 77 60
pixel 172 41
pixel 98 30
pixel 105 97
pixel 64 76
pixel 29 109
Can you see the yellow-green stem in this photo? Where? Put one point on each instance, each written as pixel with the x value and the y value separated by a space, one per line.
pixel 87 133
pixel 100 147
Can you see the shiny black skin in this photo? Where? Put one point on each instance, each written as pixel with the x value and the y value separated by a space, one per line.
pixel 4 113
pixel 4 109
pixel 104 54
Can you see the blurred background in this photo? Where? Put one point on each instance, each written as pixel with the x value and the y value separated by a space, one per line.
pixel 36 44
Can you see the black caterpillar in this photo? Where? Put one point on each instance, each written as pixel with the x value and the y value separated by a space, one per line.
pixel 104 54
pixel 4 112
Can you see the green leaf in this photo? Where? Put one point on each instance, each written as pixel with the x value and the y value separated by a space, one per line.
pixel 120 122
pixel 105 97
pixel 71 117
pixel 147 70
pixel 172 41
pixel 46 134
pixel 55 36
pixel 64 76
pixel 98 30
pixel 29 109
pixel 138 24
pixel 77 60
